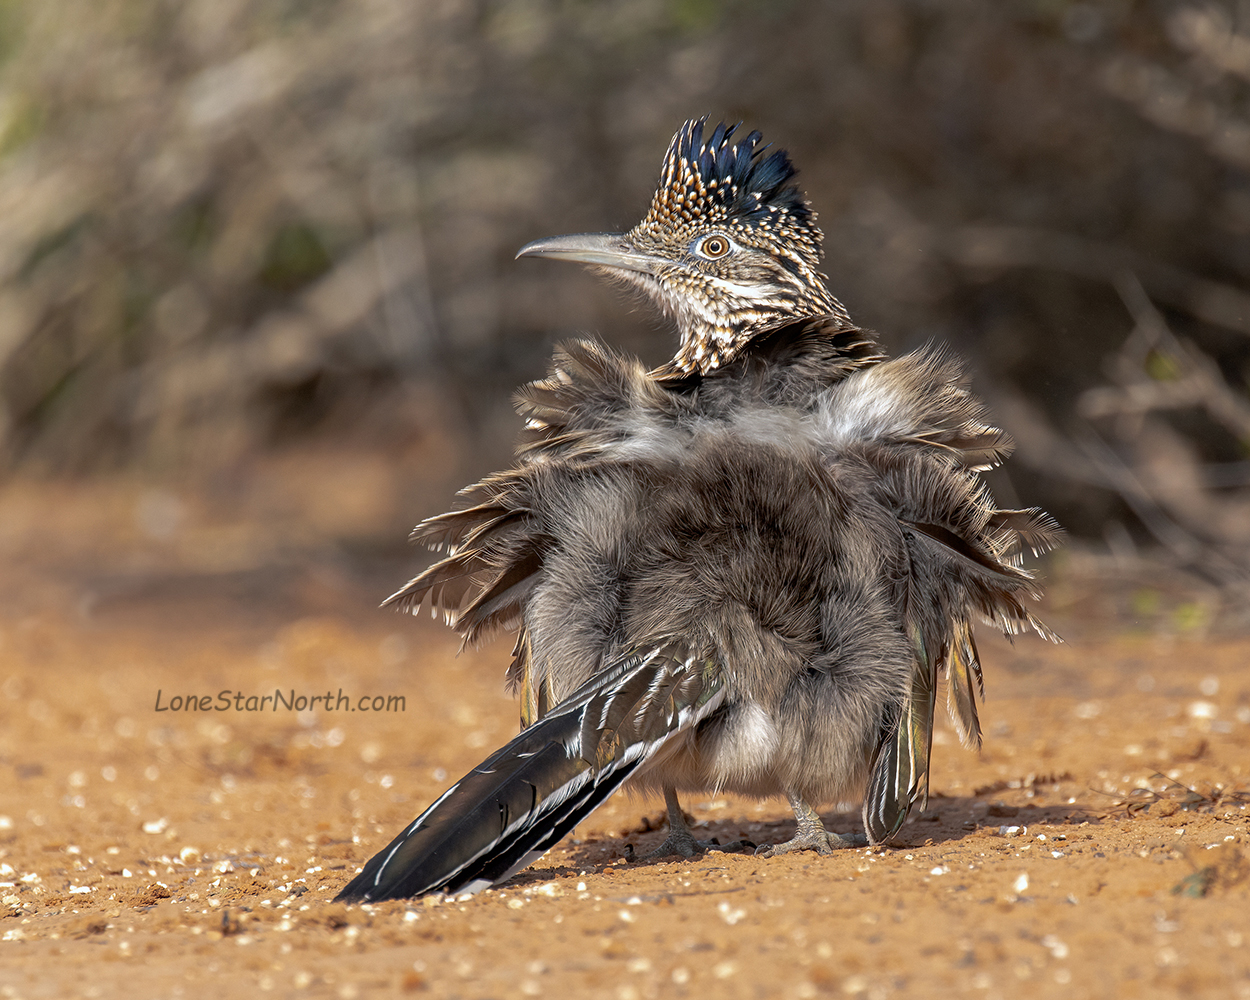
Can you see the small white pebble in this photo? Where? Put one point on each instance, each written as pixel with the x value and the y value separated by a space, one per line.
pixel 1021 884
pixel 1057 948
pixel 730 915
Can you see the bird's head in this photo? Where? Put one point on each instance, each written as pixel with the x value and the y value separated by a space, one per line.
pixel 729 247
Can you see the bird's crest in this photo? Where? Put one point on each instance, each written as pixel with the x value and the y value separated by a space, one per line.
pixel 714 181
pixel 709 186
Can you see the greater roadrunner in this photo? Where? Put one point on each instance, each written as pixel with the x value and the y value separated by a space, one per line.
pixel 741 572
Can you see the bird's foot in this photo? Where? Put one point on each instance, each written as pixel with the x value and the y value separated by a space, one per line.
pixel 682 842
pixel 821 841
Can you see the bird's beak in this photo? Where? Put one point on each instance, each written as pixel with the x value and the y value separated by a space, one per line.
pixel 604 249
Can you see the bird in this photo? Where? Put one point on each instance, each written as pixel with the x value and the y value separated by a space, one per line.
pixel 744 571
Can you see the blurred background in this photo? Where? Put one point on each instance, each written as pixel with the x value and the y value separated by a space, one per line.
pixel 259 311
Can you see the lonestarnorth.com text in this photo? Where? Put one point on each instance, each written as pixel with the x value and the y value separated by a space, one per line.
pixel 239 701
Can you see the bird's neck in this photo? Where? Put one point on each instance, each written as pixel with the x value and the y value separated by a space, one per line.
pixel 799 355
pixel 713 337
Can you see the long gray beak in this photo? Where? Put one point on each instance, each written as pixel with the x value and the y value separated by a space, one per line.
pixel 604 249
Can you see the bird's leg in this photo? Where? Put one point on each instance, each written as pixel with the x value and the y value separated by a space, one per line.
pixel 811 834
pixel 679 840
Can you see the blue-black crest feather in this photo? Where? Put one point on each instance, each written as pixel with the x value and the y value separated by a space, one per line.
pixel 736 181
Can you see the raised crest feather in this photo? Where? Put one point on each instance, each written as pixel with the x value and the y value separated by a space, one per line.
pixel 714 178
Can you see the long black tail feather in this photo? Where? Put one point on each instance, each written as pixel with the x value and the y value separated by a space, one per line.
pixel 521 801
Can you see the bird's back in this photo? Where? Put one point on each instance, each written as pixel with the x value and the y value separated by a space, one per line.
pixel 674 502
pixel 763 516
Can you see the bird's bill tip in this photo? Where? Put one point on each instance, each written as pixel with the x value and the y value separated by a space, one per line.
pixel 604 249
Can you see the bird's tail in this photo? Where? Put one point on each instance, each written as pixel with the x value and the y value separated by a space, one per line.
pixel 516 805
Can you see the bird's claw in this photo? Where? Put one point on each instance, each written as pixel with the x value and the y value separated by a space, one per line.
pixel 820 841
pixel 681 842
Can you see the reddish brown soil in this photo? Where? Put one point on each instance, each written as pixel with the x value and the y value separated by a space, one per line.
pixel 1096 847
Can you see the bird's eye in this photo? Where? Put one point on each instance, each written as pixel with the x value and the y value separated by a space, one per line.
pixel 714 246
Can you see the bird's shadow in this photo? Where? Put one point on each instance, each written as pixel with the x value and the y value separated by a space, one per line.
pixel 944 820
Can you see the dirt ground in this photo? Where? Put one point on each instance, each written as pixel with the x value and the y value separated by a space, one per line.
pixel 1096 847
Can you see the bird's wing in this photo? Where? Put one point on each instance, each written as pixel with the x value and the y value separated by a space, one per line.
pixel 960 571
pixel 963 684
pixel 588 401
pixel 960 559
pixel 494 556
pixel 520 802
pixel 494 542
pixel 920 435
